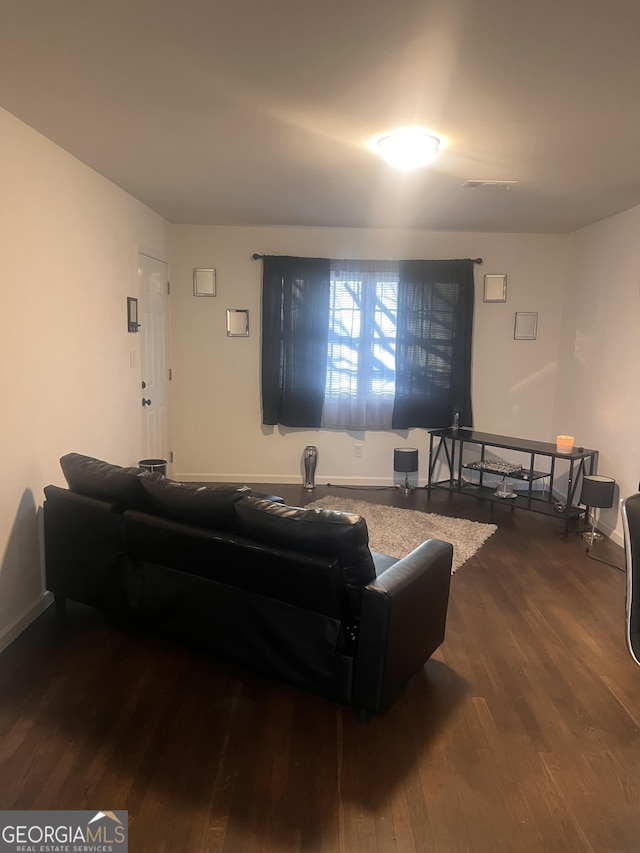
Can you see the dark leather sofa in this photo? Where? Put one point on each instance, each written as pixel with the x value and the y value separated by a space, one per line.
pixel 293 592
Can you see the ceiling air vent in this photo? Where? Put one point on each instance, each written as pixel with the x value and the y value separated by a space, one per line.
pixel 501 185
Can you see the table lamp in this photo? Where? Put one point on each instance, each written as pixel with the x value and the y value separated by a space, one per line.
pixel 597 492
pixel 405 460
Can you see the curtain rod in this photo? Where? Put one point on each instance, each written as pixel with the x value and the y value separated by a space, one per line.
pixel 257 257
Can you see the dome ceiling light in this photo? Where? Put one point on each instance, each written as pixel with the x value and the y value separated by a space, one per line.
pixel 408 147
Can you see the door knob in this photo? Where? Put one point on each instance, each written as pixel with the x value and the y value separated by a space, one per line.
pixel 144 384
pixel 146 402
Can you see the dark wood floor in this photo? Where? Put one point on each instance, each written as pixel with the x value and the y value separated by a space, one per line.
pixel 521 734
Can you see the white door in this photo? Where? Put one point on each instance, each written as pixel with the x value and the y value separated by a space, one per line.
pixel 154 356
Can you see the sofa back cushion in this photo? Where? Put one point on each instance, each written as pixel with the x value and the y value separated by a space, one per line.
pixel 310 582
pixel 317 531
pixel 106 482
pixel 209 505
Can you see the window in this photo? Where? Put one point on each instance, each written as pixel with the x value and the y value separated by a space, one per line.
pixel 366 344
pixel 361 347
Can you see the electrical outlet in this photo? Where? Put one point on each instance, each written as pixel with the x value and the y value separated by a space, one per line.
pixel 357 451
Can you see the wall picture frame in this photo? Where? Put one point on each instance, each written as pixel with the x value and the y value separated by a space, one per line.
pixel 132 314
pixel 526 326
pixel 204 282
pixel 495 288
pixel 237 323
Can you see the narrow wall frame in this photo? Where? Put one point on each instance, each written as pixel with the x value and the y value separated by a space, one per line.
pixel 132 314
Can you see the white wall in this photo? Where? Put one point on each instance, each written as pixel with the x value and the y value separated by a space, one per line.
pixel 68 259
pixel 216 419
pixel 597 395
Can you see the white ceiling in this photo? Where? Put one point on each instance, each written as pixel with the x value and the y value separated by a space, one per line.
pixel 248 112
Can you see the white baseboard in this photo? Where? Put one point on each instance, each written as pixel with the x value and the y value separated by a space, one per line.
pixel 289 479
pixel 615 535
pixel 28 615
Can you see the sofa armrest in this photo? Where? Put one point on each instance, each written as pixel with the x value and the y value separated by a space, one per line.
pixel 402 623
pixel 85 550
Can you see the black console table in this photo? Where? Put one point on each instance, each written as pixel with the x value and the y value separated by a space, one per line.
pixel 452 448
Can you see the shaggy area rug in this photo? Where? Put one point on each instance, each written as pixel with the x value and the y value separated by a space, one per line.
pixel 395 531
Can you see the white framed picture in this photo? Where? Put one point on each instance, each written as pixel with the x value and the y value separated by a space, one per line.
pixel 204 282
pixel 526 326
pixel 495 288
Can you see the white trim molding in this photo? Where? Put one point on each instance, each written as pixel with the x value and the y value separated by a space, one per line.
pixel 28 615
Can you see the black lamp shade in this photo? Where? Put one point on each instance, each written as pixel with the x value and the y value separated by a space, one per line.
pixel 405 459
pixel 597 491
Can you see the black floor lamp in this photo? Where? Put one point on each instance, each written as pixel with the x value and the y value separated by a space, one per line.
pixel 405 460
pixel 597 492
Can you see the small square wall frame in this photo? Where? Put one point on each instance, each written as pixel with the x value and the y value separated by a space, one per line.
pixel 204 282
pixel 237 323
pixel 495 288
pixel 526 326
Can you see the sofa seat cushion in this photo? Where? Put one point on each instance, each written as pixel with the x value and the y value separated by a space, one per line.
pixel 209 505
pixel 320 531
pixel 103 481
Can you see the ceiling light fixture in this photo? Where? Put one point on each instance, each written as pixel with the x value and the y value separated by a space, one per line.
pixel 408 147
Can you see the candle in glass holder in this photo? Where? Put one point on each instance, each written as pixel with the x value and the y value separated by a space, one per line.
pixel 564 444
